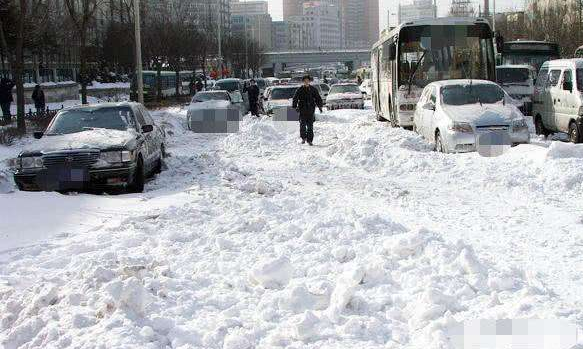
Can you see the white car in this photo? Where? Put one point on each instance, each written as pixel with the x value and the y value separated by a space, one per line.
pixel 279 97
pixel 366 88
pixel 454 114
pixel 558 99
pixel 345 96
pixel 207 103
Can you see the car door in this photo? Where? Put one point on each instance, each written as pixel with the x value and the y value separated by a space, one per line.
pixel 420 111
pixel 553 98
pixel 429 116
pixel 156 136
pixel 567 101
pixel 146 138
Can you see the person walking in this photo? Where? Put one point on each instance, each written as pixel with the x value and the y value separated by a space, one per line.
pixel 253 96
pixel 306 99
pixel 38 97
pixel 6 99
pixel 199 85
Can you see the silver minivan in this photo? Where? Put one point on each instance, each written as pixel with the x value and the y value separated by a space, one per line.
pixel 558 100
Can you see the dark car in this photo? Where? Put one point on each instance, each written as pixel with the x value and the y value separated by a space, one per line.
pixel 93 147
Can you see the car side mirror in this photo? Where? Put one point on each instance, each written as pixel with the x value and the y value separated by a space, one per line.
pixel 38 135
pixel 429 106
pixel 568 86
pixel 147 128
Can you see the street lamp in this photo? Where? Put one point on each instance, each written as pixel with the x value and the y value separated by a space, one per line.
pixel 139 73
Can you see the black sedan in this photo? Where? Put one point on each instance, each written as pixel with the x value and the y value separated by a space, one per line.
pixel 93 147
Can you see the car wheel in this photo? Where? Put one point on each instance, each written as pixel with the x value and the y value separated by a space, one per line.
pixel 160 162
pixel 394 122
pixel 439 147
pixel 539 126
pixel 137 185
pixel 380 118
pixel 574 134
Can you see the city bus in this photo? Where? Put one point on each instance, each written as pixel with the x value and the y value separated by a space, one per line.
pixel 414 54
pixel 533 53
pixel 167 83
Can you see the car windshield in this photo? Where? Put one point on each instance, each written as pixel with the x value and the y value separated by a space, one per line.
pixel 210 96
pixel 78 120
pixel 283 93
pixel 324 87
pixel 344 89
pixel 227 85
pixel 512 75
pixel 471 94
pixel 580 79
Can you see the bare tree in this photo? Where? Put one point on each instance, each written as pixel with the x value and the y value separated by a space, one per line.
pixel 82 14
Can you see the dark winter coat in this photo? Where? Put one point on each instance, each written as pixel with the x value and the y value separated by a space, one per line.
pixel 306 100
pixel 253 93
pixel 6 91
pixel 38 96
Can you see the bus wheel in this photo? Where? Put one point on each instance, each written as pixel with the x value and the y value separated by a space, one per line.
pixel 394 121
pixel 574 134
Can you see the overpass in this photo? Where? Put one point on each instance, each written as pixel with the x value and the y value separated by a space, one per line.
pixel 278 61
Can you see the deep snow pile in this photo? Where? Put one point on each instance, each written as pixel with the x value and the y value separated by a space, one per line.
pixel 251 240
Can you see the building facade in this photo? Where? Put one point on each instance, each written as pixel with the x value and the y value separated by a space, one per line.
pixel 319 27
pixel 360 22
pixel 257 27
pixel 292 8
pixel 418 9
pixel 249 7
pixel 280 36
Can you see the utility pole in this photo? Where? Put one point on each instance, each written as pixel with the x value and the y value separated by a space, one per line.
pixel 139 74
pixel 220 40
pixel 246 43
pixel 494 17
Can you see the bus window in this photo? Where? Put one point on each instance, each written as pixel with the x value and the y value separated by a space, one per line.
pixel 431 53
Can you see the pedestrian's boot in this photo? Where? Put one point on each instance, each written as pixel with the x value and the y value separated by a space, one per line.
pixel 310 144
pixel 303 141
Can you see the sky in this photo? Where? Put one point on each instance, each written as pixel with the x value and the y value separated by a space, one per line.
pixel 275 7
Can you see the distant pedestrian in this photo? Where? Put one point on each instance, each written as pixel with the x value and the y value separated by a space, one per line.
pixel 306 99
pixel 199 85
pixel 359 80
pixel 6 99
pixel 192 88
pixel 38 97
pixel 253 96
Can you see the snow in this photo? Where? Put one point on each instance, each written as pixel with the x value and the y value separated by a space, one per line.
pixel 95 85
pixel 88 139
pixel 251 240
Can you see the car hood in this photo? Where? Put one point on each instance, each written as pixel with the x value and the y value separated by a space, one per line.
pixel 209 105
pixel 341 96
pixel 487 114
pixel 90 139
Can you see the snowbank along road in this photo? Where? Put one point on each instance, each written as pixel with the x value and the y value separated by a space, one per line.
pixel 369 239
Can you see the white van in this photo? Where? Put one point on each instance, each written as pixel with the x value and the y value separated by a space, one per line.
pixel 518 82
pixel 558 100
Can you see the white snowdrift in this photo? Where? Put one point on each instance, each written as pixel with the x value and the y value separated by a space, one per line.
pixel 250 240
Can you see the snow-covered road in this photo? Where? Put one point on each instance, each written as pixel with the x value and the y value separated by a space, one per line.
pixel 251 240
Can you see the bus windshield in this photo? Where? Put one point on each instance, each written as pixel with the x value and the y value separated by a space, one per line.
pixel 512 75
pixel 441 52
pixel 531 53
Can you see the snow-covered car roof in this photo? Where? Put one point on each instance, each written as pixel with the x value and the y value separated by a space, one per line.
pixel 103 105
pixel 515 66
pixel 456 82
pixel 345 84
pixel 572 62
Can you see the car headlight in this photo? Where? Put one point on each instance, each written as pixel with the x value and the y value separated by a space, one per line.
pixel 116 157
pixel 31 162
pixel 519 124
pixel 462 127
